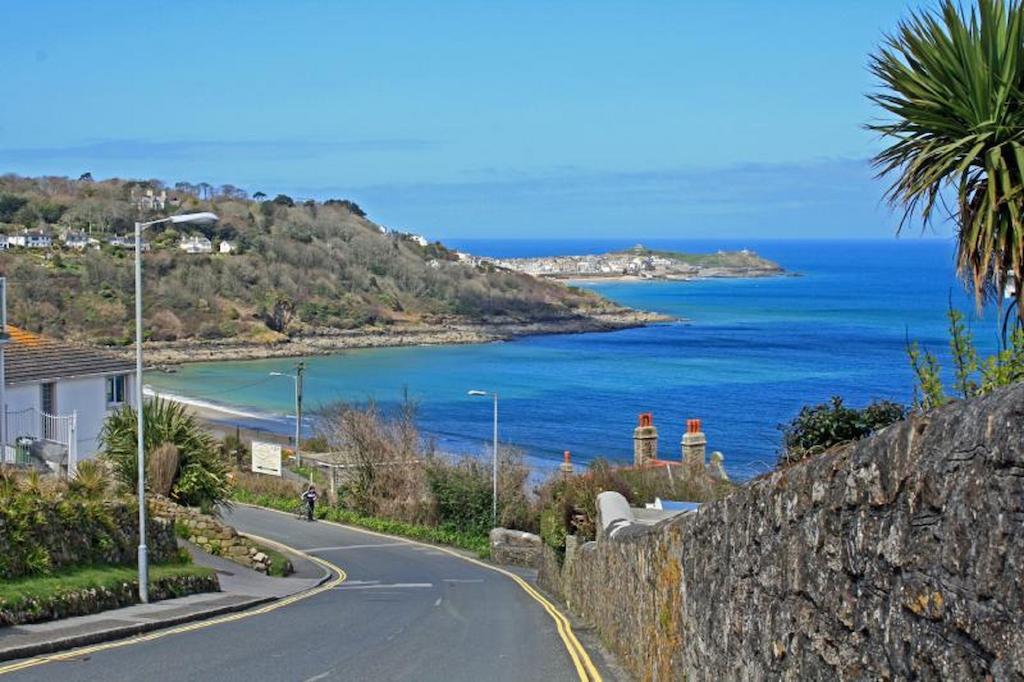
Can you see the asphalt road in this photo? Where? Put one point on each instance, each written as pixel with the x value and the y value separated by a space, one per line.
pixel 404 612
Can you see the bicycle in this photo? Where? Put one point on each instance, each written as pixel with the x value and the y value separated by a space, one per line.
pixel 301 511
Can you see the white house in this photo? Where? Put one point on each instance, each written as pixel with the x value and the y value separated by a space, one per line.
pixel 48 382
pixel 76 240
pixel 3 242
pixel 150 201
pixel 127 242
pixel 196 244
pixel 31 239
pixel 227 247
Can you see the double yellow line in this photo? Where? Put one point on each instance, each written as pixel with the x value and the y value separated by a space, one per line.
pixel 190 627
pixel 585 668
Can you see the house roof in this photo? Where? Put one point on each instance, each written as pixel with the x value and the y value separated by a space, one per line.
pixel 30 357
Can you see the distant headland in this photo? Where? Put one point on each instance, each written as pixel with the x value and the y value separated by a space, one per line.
pixel 642 263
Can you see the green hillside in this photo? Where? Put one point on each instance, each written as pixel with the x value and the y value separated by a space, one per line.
pixel 299 268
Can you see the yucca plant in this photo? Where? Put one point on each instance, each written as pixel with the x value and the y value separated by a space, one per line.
pixel 953 84
pixel 201 477
pixel 90 481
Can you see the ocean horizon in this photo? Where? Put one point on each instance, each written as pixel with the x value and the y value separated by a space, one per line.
pixel 743 356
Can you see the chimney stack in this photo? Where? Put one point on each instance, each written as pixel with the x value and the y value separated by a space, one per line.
pixel 645 440
pixel 694 446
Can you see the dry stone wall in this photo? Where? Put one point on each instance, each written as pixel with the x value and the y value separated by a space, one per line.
pixel 43 533
pixel 897 557
pixel 211 535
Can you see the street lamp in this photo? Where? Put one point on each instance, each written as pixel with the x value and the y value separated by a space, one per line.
pixel 205 218
pixel 494 461
pixel 297 377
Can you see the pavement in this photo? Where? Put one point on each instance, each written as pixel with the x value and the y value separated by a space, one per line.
pixel 393 610
pixel 241 588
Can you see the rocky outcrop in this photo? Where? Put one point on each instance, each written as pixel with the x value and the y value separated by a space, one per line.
pixel 897 557
pixel 211 535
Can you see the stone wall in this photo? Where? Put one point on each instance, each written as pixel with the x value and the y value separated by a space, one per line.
pixel 38 533
pixel 897 557
pixel 81 602
pixel 211 535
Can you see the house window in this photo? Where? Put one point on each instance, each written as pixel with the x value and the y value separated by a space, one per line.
pixel 49 398
pixel 115 389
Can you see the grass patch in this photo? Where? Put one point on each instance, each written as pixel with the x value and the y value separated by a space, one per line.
pixel 89 589
pixel 474 542
pixel 280 566
pixel 318 476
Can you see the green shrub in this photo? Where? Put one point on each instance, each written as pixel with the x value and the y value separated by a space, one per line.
pixel 201 478
pixel 46 527
pixel 462 493
pixel 820 427
pixel 971 376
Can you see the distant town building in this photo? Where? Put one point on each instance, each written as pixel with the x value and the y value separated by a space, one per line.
pixel 227 247
pixel 76 240
pixel 149 200
pixel 31 239
pixel 3 242
pixel 196 244
pixel 126 242
pixel 419 239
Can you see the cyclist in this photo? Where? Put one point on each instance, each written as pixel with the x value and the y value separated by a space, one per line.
pixel 310 497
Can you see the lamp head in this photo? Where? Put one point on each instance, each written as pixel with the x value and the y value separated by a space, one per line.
pixel 204 218
pixel 475 392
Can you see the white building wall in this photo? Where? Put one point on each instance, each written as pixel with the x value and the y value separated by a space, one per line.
pixel 87 396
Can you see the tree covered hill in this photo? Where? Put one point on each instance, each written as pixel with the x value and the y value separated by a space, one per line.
pixel 301 268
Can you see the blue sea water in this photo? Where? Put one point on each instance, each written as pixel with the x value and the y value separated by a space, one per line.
pixel 744 356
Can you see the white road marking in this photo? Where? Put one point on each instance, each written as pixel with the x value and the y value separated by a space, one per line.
pixel 363 582
pixel 320 676
pixel 438 602
pixel 335 548
pixel 392 586
pixel 463 580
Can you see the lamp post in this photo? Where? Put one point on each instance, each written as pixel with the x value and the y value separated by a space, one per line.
pixel 297 377
pixel 494 459
pixel 205 218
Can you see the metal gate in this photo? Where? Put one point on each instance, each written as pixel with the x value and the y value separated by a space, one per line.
pixel 55 434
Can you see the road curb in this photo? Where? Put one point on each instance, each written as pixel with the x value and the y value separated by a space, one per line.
pixel 281 547
pixel 121 632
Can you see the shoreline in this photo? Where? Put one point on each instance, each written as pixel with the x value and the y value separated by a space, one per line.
pixel 632 279
pixel 169 353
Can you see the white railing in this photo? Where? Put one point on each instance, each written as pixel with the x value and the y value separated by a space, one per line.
pixel 35 425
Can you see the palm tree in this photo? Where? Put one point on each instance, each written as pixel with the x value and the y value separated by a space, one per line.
pixel 201 477
pixel 953 82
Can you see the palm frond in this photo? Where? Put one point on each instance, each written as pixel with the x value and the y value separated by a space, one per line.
pixel 953 88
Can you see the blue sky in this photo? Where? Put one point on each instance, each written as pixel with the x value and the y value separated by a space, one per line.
pixel 469 119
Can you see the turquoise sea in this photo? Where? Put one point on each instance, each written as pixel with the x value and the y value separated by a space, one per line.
pixel 744 356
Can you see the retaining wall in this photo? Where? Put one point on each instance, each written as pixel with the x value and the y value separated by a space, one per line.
pixel 897 557
pixel 211 535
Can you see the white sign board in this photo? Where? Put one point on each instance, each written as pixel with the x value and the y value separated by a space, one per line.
pixel 266 458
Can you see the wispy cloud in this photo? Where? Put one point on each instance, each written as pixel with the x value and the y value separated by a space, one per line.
pixel 132 150
pixel 832 197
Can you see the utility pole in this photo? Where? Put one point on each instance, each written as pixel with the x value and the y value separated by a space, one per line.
pixel 299 369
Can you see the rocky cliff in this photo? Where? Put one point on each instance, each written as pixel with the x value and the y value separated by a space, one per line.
pixel 897 557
